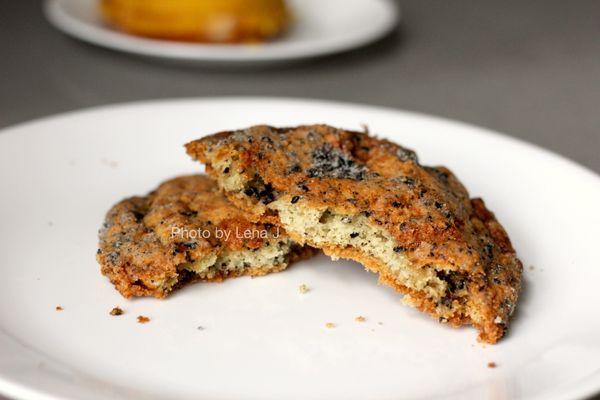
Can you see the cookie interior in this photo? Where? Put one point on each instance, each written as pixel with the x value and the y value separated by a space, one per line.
pixel 354 236
pixel 271 257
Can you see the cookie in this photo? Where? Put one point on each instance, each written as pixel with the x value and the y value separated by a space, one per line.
pixel 186 231
pixel 370 200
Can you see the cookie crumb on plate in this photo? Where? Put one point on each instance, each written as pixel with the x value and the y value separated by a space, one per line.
pixel 329 325
pixel 59 308
pixel 142 320
pixel 491 365
pixel 304 288
pixel 116 311
pixel 360 318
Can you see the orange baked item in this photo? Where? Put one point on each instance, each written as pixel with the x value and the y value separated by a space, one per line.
pixel 211 21
pixel 370 200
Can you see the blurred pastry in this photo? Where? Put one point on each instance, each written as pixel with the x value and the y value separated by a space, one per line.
pixel 212 21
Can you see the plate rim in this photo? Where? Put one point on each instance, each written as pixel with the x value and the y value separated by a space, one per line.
pixel 209 53
pixel 479 129
pixel 586 386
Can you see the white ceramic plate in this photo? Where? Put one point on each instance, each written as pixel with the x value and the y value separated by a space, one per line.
pixel 262 339
pixel 320 28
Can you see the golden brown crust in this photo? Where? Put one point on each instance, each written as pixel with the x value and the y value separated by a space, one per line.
pixel 231 21
pixel 425 209
pixel 145 241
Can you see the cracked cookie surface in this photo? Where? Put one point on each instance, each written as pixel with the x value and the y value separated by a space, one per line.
pixel 185 231
pixel 367 199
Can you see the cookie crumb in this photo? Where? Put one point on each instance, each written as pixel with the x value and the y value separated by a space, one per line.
pixel 142 320
pixel 380 323
pixel 200 328
pixel 303 289
pixel 360 318
pixel 491 365
pixel 59 308
pixel 330 325
pixel 531 267
pixel 116 311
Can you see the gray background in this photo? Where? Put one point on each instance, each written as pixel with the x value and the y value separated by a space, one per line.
pixel 530 69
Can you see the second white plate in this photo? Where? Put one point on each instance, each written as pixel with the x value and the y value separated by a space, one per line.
pixel 320 28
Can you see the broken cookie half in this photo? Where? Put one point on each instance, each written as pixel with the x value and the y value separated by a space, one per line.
pixel 186 231
pixel 370 200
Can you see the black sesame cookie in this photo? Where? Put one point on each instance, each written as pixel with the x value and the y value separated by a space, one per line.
pixel 370 200
pixel 185 231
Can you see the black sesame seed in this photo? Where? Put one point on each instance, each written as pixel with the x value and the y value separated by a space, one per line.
pixel 138 216
pixel 489 250
pixel 113 256
pixel 330 162
pixel 399 249
pixel 396 204
pixel 295 199
pixel 354 235
pixel 406 155
pixel 266 195
pixel 295 168
pixel 226 170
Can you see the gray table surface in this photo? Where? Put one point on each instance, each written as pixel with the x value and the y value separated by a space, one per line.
pixel 530 69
